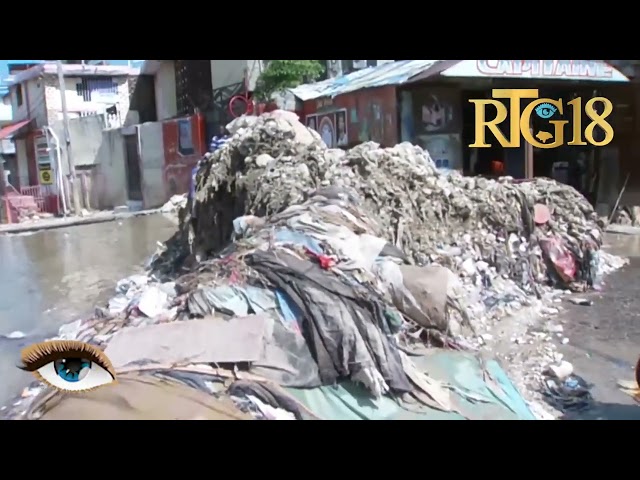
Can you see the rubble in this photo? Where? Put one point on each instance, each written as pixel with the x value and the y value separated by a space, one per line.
pixel 174 204
pixel 327 265
pixel 627 215
pixel 482 229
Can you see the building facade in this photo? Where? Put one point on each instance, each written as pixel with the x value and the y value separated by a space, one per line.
pixel 36 101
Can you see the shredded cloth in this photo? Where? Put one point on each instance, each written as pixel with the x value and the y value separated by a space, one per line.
pixel 337 323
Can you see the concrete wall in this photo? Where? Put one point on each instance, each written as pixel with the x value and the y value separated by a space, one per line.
pixel 228 72
pixel 109 177
pixel 165 87
pixel 102 154
pixel 86 138
pixel 152 161
pixel 7 147
pixel 33 104
pixel 6 114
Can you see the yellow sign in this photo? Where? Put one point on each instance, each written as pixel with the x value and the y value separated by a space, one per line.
pixel 46 177
pixel 544 108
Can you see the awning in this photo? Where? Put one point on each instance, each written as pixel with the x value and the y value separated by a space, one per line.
pixel 9 130
pixel 576 70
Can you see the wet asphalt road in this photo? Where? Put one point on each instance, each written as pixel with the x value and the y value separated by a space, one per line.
pixel 53 277
pixel 604 339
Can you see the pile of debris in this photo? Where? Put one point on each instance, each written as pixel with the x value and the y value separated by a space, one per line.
pixel 273 162
pixel 508 240
pixel 311 279
pixel 306 308
pixel 627 216
pixel 175 203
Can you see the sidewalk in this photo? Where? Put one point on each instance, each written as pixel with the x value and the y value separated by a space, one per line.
pixel 623 229
pixel 71 221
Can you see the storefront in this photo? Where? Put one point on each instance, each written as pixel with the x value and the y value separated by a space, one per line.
pixel 437 113
pixel 429 103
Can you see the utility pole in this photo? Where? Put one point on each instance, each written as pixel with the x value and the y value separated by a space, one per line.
pixel 67 140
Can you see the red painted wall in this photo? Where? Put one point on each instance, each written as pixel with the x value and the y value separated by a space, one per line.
pixel 372 114
pixel 177 167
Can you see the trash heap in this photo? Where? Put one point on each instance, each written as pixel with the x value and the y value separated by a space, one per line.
pixel 305 267
pixel 175 203
pixel 483 230
pixel 305 307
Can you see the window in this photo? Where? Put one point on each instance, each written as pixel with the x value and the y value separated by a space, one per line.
pixel 185 141
pixel 19 94
pixel 97 89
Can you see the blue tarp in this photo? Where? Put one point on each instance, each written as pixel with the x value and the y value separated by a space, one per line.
pixel 480 390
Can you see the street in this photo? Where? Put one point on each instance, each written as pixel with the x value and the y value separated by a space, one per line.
pixel 57 276
pixel 53 277
pixel 604 339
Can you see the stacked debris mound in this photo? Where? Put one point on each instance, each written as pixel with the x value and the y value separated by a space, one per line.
pixel 478 227
pixel 308 303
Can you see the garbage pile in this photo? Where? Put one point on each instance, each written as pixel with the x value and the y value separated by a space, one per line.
pixel 273 161
pixel 507 240
pixel 308 281
pixel 175 203
pixel 307 314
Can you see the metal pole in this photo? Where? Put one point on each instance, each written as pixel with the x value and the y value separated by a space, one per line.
pixel 67 140
pixel 59 178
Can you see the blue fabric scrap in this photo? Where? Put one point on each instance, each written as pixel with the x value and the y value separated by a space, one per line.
pixel 297 238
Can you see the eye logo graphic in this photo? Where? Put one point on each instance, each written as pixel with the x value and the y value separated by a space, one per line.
pixel 68 365
pixel 545 110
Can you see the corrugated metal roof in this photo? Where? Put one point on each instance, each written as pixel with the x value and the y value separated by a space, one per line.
pixel 394 73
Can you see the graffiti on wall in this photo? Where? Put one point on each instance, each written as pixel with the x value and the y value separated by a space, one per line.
pixel 437 114
pixel 435 110
pixel 331 126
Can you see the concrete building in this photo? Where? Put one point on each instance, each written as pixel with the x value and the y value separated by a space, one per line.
pixel 163 73
pixel 35 95
pixel 98 97
pixel 89 90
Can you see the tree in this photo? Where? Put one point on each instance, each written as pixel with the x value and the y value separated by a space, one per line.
pixel 280 75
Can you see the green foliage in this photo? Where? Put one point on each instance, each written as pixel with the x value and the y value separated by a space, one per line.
pixel 282 74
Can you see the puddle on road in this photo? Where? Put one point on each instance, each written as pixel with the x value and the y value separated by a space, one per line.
pixel 53 277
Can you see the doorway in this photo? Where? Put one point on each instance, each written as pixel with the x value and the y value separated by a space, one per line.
pixel 132 168
pixel 480 161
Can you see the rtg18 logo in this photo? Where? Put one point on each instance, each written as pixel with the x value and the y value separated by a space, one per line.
pixel 597 132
